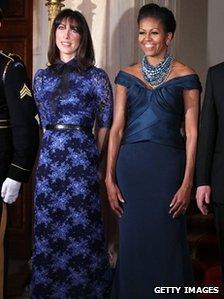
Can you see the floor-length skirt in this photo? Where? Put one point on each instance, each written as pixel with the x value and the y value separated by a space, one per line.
pixel 153 250
pixel 69 255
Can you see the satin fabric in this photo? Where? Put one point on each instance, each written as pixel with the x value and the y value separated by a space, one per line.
pixel 156 114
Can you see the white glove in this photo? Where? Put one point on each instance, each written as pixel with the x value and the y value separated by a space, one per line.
pixel 10 190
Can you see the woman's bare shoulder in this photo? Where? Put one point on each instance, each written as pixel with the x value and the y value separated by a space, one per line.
pixel 181 69
pixel 133 69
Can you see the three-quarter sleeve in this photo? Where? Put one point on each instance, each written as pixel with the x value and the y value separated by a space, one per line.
pixel 104 99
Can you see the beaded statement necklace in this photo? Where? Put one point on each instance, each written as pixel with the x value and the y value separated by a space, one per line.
pixel 156 75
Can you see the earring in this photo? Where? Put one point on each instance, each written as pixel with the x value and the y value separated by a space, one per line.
pixel 167 43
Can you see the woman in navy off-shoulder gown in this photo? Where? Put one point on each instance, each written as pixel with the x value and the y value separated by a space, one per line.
pixel 69 257
pixel 151 163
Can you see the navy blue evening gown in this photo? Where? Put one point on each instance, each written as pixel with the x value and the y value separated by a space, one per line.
pixel 153 248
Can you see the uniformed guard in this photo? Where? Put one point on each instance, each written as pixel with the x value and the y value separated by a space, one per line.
pixel 18 138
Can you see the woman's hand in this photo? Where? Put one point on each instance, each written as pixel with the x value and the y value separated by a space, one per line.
pixel 180 201
pixel 115 197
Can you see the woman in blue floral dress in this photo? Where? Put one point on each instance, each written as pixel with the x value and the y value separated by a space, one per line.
pixel 69 256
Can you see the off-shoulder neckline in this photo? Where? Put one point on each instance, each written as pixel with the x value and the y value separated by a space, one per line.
pixel 164 83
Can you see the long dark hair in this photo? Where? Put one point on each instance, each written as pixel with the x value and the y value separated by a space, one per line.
pixel 85 53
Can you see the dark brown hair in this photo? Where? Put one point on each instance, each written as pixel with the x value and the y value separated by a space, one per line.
pixel 85 53
pixel 161 13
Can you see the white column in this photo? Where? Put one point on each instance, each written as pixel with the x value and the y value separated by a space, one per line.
pixel 40 35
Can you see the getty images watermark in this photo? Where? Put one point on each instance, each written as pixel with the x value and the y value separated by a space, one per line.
pixel 186 290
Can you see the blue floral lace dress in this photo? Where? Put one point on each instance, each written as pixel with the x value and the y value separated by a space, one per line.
pixel 69 255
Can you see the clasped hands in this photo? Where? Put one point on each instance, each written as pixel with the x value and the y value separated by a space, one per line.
pixel 10 190
pixel 178 204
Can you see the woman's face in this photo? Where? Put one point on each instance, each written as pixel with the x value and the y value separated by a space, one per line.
pixel 67 39
pixel 153 38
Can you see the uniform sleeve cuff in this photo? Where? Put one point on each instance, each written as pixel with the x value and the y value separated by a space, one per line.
pixel 18 173
pixel 203 183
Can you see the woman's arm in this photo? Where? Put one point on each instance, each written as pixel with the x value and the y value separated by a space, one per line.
pixel 116 133
pixel 104 109
pixel 181 199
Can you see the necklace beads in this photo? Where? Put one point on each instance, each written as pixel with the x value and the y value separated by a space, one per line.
pixel 156 75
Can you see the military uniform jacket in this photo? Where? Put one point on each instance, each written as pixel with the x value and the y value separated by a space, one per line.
pixel 18 125
pixel 210 156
